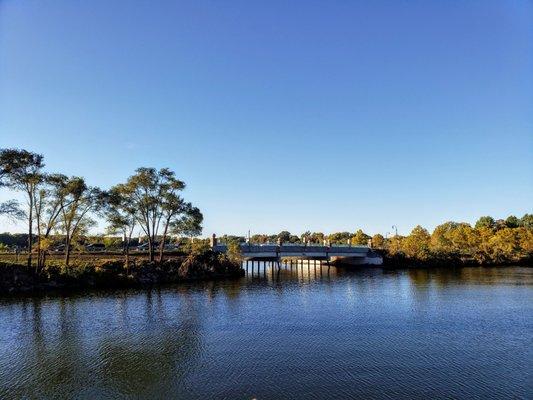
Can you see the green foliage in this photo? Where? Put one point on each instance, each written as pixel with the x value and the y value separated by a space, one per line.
pixel 19 240
pixel 394 246
pixel 199 247
pixel 234 253
pixel 378 241
pixel 512 222
pixel 339 237
pixel 489 242
pixel 189 223
pixel 153 197
pixel 59 209
pixel 505 245
pixel 317 237
pixel 360 238
pixel 12 210
pixel 485 222
pixel 21 170
pixel 527 221
pixel 454 238
pixel 416 245
pixel 260 239
pixel 284 236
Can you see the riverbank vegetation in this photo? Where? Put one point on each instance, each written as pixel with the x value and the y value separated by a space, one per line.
pixel 488 242
pixel 59 210
pixel 98 271
pixel 59 206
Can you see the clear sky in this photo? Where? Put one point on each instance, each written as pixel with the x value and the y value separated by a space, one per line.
pixel 297 115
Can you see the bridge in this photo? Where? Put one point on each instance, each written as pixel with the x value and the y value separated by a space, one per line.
pixel 355 255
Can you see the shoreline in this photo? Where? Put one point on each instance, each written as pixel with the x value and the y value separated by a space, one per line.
pixel 18 278
pixel 25 282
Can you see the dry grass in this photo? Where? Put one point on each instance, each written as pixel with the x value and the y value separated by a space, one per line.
pixel 80 258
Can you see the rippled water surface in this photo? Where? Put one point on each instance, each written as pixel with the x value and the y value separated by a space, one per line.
pixel 300 333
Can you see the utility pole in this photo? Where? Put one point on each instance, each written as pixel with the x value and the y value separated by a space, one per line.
pixel 395 229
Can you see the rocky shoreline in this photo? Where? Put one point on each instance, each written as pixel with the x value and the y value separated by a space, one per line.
pixel 17 278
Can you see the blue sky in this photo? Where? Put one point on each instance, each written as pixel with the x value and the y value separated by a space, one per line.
pixel 319 115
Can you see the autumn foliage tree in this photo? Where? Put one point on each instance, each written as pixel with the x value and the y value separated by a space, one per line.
pixel 21 170
pixel 416 245
pixel 153 196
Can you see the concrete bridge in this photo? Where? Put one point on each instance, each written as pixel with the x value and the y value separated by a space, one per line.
pixel 354 255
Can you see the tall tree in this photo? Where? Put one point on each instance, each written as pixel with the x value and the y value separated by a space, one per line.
pixel 485 222
pixel 49 204
pixel 339 237
pixel 378 241
pixel 120 215
pixel 527 221
pixel 78 201
pixel 189 223
pixel 172 205
pixel 416 245
pixel 512 222
pixel 505 245
pixel 154 196
pixel 305 237
pixel 21 170
pixel 360 238
pixel 284 236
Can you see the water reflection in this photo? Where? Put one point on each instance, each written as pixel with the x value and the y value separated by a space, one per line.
pixel 292 332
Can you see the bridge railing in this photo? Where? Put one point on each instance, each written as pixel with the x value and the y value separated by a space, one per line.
pixel 294 248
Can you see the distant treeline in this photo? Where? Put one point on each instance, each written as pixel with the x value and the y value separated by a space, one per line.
pixel 489 241
pixel 12 241
pixel 59 208
pixel 9 242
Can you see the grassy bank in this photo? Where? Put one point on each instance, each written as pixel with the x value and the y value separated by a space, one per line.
pixel 111 271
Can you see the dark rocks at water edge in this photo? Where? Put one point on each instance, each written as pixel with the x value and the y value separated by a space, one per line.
pixel 17 278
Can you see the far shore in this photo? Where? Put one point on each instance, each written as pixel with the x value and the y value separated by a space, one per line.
pixel 108 270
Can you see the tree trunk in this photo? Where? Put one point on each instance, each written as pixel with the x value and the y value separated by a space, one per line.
pixel 162 245
pixel 30 229
pixel 38 267
pixel 43 261
pixel 67 251
pixel 127 259
pixel 150 249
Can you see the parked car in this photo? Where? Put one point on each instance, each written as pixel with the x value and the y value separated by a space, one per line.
pixel 57 249
pixel 95 247
pixel 144 247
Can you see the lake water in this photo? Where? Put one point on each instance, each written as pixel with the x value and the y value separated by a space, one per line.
pixel 300 333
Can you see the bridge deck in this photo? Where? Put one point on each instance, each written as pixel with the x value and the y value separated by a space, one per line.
pixel 275 251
